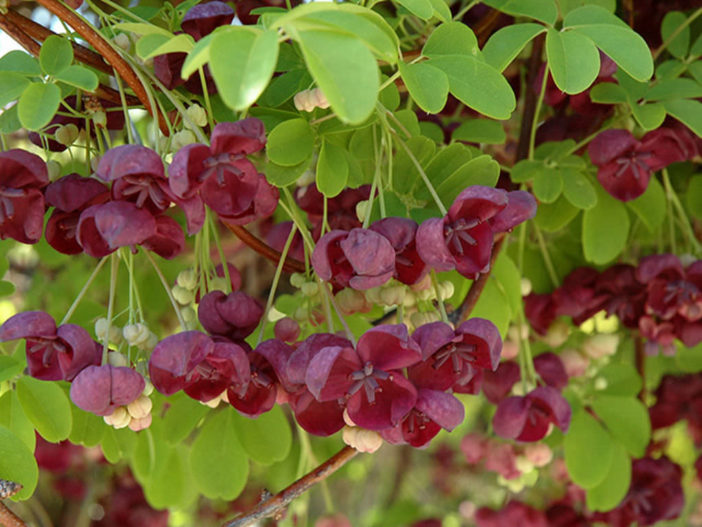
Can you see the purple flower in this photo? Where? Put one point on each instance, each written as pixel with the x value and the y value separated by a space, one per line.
pixel 101 389
pixel 368 378
pixel 400 232
pixel 52 353
pixel 360 258
pixel 22 176
pixel 528 418
pixel 233 316
pixel 550 368
pixel 259 396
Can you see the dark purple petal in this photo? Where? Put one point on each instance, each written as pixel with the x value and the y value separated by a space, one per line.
pixel 551 370
pixel 659 265
pixel 371 256
pixel 328 375
pixel 234 316
pixel 225 364
pixel 485 336
pixel 81 352
pixel 393 401
pixel 388 347
pixel 299 360
pixel 240 138
pixel 609 145
pixel 318 418
pixel 28 324
pixel 478 202
pixel 431 245
pixel 442 408
pixel 186 168
pixel 73 192
pixel 22 169
pixel 101 389
pixel 169 240
pixel 175 357
pixel 129 160
pixel 202 19
pixel 433 336
pixel 521 206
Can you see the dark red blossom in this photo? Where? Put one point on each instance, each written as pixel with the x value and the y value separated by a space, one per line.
pixel 101 389
pixel 400 232
pixel 528 418
pixel 259 396
pixel 233 316
pixel 498 384
pixel 52 353
pixel 514 513
pixel 551 370
pixel 341 209
pixel 22 176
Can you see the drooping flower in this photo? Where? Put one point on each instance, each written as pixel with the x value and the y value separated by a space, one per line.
pixel 233 316
pixel 102 389
pixel 400 232
pixel 528 418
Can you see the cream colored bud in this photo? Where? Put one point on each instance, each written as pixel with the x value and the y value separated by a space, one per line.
pixel 419 319
pixel 362 210
pixel 101 328
pixel 189 314
pixel 197 115
pixel 446 290
pixel 523 464
pixel 99 118
pixel 320 100
pixel 218 283
pixel 513 333
pixel 183 138
pixel 140 407
pixel 600 383
pixel 148 388
pixel 183 296
pixel 526 286
pixel 392 295
pixel 574 362
pixel 137 425
pixel 362 440
pixel 94 162
pixel 557 333
pixel 122 41
pixel 297 279
pixel 303 101
pixel 135 334
pixel 601 345
pixel 120 418
pixel 116 359
pixel 351 301
pixel 187 279
pixel 301 313
pixel 539 454
pixel 425 294
pixel 309 288
pixel 54 169
pixel 347 418
pixel 372 295
pixel 66 135
pixel 212 403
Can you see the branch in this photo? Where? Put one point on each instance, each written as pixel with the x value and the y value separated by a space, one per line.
pixel 277 503
pixel 19 36
pixel 9 518
pixel 530 99
pixel 104 48
pixel 291 265
pixel 640 362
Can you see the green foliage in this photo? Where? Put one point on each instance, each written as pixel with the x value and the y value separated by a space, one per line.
pixel 505 44
pixel 47 407
pixel 290 143
pixel 38 104
pixel 589 450
pixel 614 486
pixel 56 55
pixel 17 463
pixel 605 229
pixel 626 418
pixel 542 10
pixel 267 438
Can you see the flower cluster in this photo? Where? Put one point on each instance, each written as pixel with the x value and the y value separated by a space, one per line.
pixel 679 397
pixel 660 297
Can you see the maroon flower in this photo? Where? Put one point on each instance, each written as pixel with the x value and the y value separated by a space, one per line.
pixel 400 232
pixel 259 396
pixel 22 176
pixel 672 290
pixel 551 370
pixel 369 378
pixel 514 513
pixel 168 241
pixel 101 389
pixel 623 294
pixel 528 418
pixel 540 311
pixel 360 258
pixel 52 353
pixel 175 357
pixel 497 385
pixel 70 195
pixel 233 316
pixel 341 209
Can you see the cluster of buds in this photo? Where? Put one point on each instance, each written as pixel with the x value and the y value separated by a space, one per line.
pixel 308 100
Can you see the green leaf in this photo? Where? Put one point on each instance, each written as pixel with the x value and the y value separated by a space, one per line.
pixel 143 458
pixel 421 8
pixel 681 43
pixel 9 367
pixel 198 56
pixel 621 379
pixel 615 485
pixel 15 420
pixel 9 120
pixel 627 420
pixel 693 196
pixel 670 69
pixel 589 450
pixel 79 77
pixel 608 93
pixel 441 10
pixel 649 116
pixel 494 305
pixel 505 44
pixel 142 29
pixel 696 48
pixel 117 444
pixel 47 406
pixel 483 170
pixel 675 88
pixel 543 10
pixel 548 185
pixel 605 229
pixel 687 112
pixel 290 143
pixel 11 86
pixel 572 59
pixel 17 463
pixel 480 131
pixel 155 44
pixel 344 69
pixel 452 38
pixel 169 484
pixel 20 62
pixel 650 206
pixel 242 64
pixel 87 429
pixel 182 417
pixel 56 55
pixel 592 14
pixel 282 176
pixel 267 438
pixel 219 464
pixel 332 169
pixel 507 274
pixel 552 217
pixel 427 85
pixel 569 5
pixel 477 85
pixel 577 188
pixel 38 104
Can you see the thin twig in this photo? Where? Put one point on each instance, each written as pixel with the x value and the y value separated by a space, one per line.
pixel 529 99
pixel 9 518
pixel 291 265
pixel 640 362
pixel 277 503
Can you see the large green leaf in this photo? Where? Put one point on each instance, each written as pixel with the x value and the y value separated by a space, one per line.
pixel 577 188
pixel 219 464
pixel 483 170
pixel 572 59
pixel 588 450
pixel 9 366
pixel 170 483
pixel 47 407
pixel 681 43
pixel 649 116
pixel 548 185
pixel 56 55
pixel 428 86
pixel 345 70
pixel 290 143
pixel 198 56
pixel 452 38
pixel 505 44
pixel 17 463
pixel 267 438
pixel 20 62
pixel 11 86
pixel 675 88
pixel 494 305
pixel 13 418
pixel 621 379
pixel 242 63
pixel 182 417
pixel 421 8
pixel 477 85
pixel 615 485
pixel 543 10
pixel 605 229
pixel 693 196
pixel 480 131
pixel 155 44
pixel 627 420
pixel 117 444
pixel 688 112
pixel 87 428
pixel 38 104
pixel 332 169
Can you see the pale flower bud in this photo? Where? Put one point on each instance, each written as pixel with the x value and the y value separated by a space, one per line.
pixel 66 135
pixel 309 288
pixel 122 41
pixel 120 418
pixel 135 334
pixel 218 284
pixel 601 345
pixel 94 162
pixel 523 464
pixel 116 359
pixel 539 454
pixel 419 319
pixel 137 425
pixel 183 296
pixel 183 138
pixel 99 118
pixel 351 301
pixel 197 115
pixel 525 286
pixel 446 290
pixel 600 383
pixel 361 439
pixel 574 362
pixel 347 418
pixel 373 295
pixel 557 334
pixel 303 102
pixel 362 210
pixel 392 295
pixel 54 169
pixel 101 328
pixel 297 279
pixel 319 99
pixel 148 388
pixel 187 279
pixel 140 407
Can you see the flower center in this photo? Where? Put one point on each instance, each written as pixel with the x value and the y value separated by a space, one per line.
pixel 7 208
pixel 367 378
pixel 145 187
pixel 458 352
pixel 635 163
pixel 456 234
pixel 219 164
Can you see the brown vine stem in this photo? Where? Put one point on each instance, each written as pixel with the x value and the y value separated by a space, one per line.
pixel 121 66
pixel 640 362
pixel 275 504
pixel 19 36
pixel 9 518
pixel 291 265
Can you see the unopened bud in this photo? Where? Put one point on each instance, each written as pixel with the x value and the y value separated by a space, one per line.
pixel 183 138
pixel 539 454
pixel 446 290
pixel 148 388
pixel 218 284
pixel 183 296
pixel 600 383
pixel 297 279
pixel 525 286
pixel 122 41
pixel 197 115
pixel 187 279
pixel 137 425
pixel 362 210
pixel 120 418
pixel 99 118
pixel 361 439
pixel 351 301
pixel 116 359
pixel 574 362
pixel 523 464
pixel 135 334
pixel 373 295
pixel 419 319
pixel 94 162
pixel 601 345
pixel 557 333
pixel 140 407
pixel 309 288
pixel 393 295
pixel 67 134
pixel 189 314
pixel 54 169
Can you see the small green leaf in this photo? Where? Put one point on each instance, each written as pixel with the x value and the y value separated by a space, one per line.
pixel 197 57
pixel 480 131
pixel 477 85
pixel 675 88
pixel 452 38
pixel 117 444
pixel 290 143
pixel 552 217
pixel 507 273
pixel 47 406
pixel 17 463
pixel 548 185
pixel 569 5
pixel 621 379
pixel 9 120
pixel 87 429
pixel 38 104
pixel 627 420
pixel 242 64
pixel 332 169
pixel 421 8
pixel 13 418
pixel 9 367
pixel 282 176
pixel 615 485
pixel 649 116
pixel 589 450
pixel 483 170
pixel 20 62
pixel 577 188
pixel 608 93
pixel 267 438
pixel 169 484
pixel 6 288
pixel 688 112
pixel 182 417
pixel 11 86
pixel 142 29
pixel 155 44
pixel 505 44
pixel 494 305
pixel 441 10
pixel 572 59
pixel 219 464
pixel 56 55
pixel 543 10
pixel 650 206
pixel 592 14
pixel 79 77
pixel 681 43
pixel 605 229
pixel 427 85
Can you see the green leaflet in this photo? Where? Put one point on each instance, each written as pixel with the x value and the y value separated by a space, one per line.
pixel 428 86
pixel 46 406
pixel 267 438
pixel 17 463
pixel 573 60
pixel 605 229
pixel 505 44
pixel 588 450
pixel 38 104
pixel 56 55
